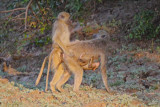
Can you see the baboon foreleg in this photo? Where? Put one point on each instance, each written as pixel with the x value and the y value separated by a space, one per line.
pixel 57 66
pixel 57 76
pixel 76 69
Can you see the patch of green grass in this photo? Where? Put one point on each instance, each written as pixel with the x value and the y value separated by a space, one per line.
pixel 22 68
pixel 117 83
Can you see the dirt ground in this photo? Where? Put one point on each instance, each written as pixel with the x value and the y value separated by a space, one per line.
pixel 133 71
pixel 13 94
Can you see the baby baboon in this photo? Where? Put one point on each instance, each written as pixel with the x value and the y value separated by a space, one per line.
pixel 91 65
pixel 9 70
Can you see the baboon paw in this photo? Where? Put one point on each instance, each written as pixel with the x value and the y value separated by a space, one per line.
pixel 55 92
pixel 61 90
pixel 53 89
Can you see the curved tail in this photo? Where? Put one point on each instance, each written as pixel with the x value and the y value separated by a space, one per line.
pixel 103 71
pixel 41 71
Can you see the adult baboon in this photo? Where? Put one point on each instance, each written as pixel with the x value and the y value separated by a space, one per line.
pixel 92 48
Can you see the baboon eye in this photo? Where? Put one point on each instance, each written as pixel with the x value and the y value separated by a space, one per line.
pixel 94 36
pixel 62 16
pixel 103 36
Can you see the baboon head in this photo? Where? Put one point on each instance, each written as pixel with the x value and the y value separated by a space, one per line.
pixel 64 16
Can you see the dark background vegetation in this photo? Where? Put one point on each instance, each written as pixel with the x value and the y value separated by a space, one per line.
pixel 133 52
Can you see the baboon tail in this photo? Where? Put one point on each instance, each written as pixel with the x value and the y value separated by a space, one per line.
pixel 41 71
pixel 49 66
pixel 103 71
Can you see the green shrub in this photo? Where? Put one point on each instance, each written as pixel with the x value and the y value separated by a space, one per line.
pixel 39 42
pixel 143 27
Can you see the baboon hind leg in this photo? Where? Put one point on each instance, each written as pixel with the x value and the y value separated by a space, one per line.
pixel 58 68
pixel 57 76
pixel 63 80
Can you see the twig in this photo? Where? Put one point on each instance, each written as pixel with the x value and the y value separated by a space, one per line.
pixel 9 15
pixel 26 13
pixel 35 15
pixel 6 11
pixel 18 19
pixel 22 32
pixel 40 9
pixel 19 15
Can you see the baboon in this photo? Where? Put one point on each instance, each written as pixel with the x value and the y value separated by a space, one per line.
pixel 92 48
pixel 60 37
pixel 10 70
pixel 60 32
